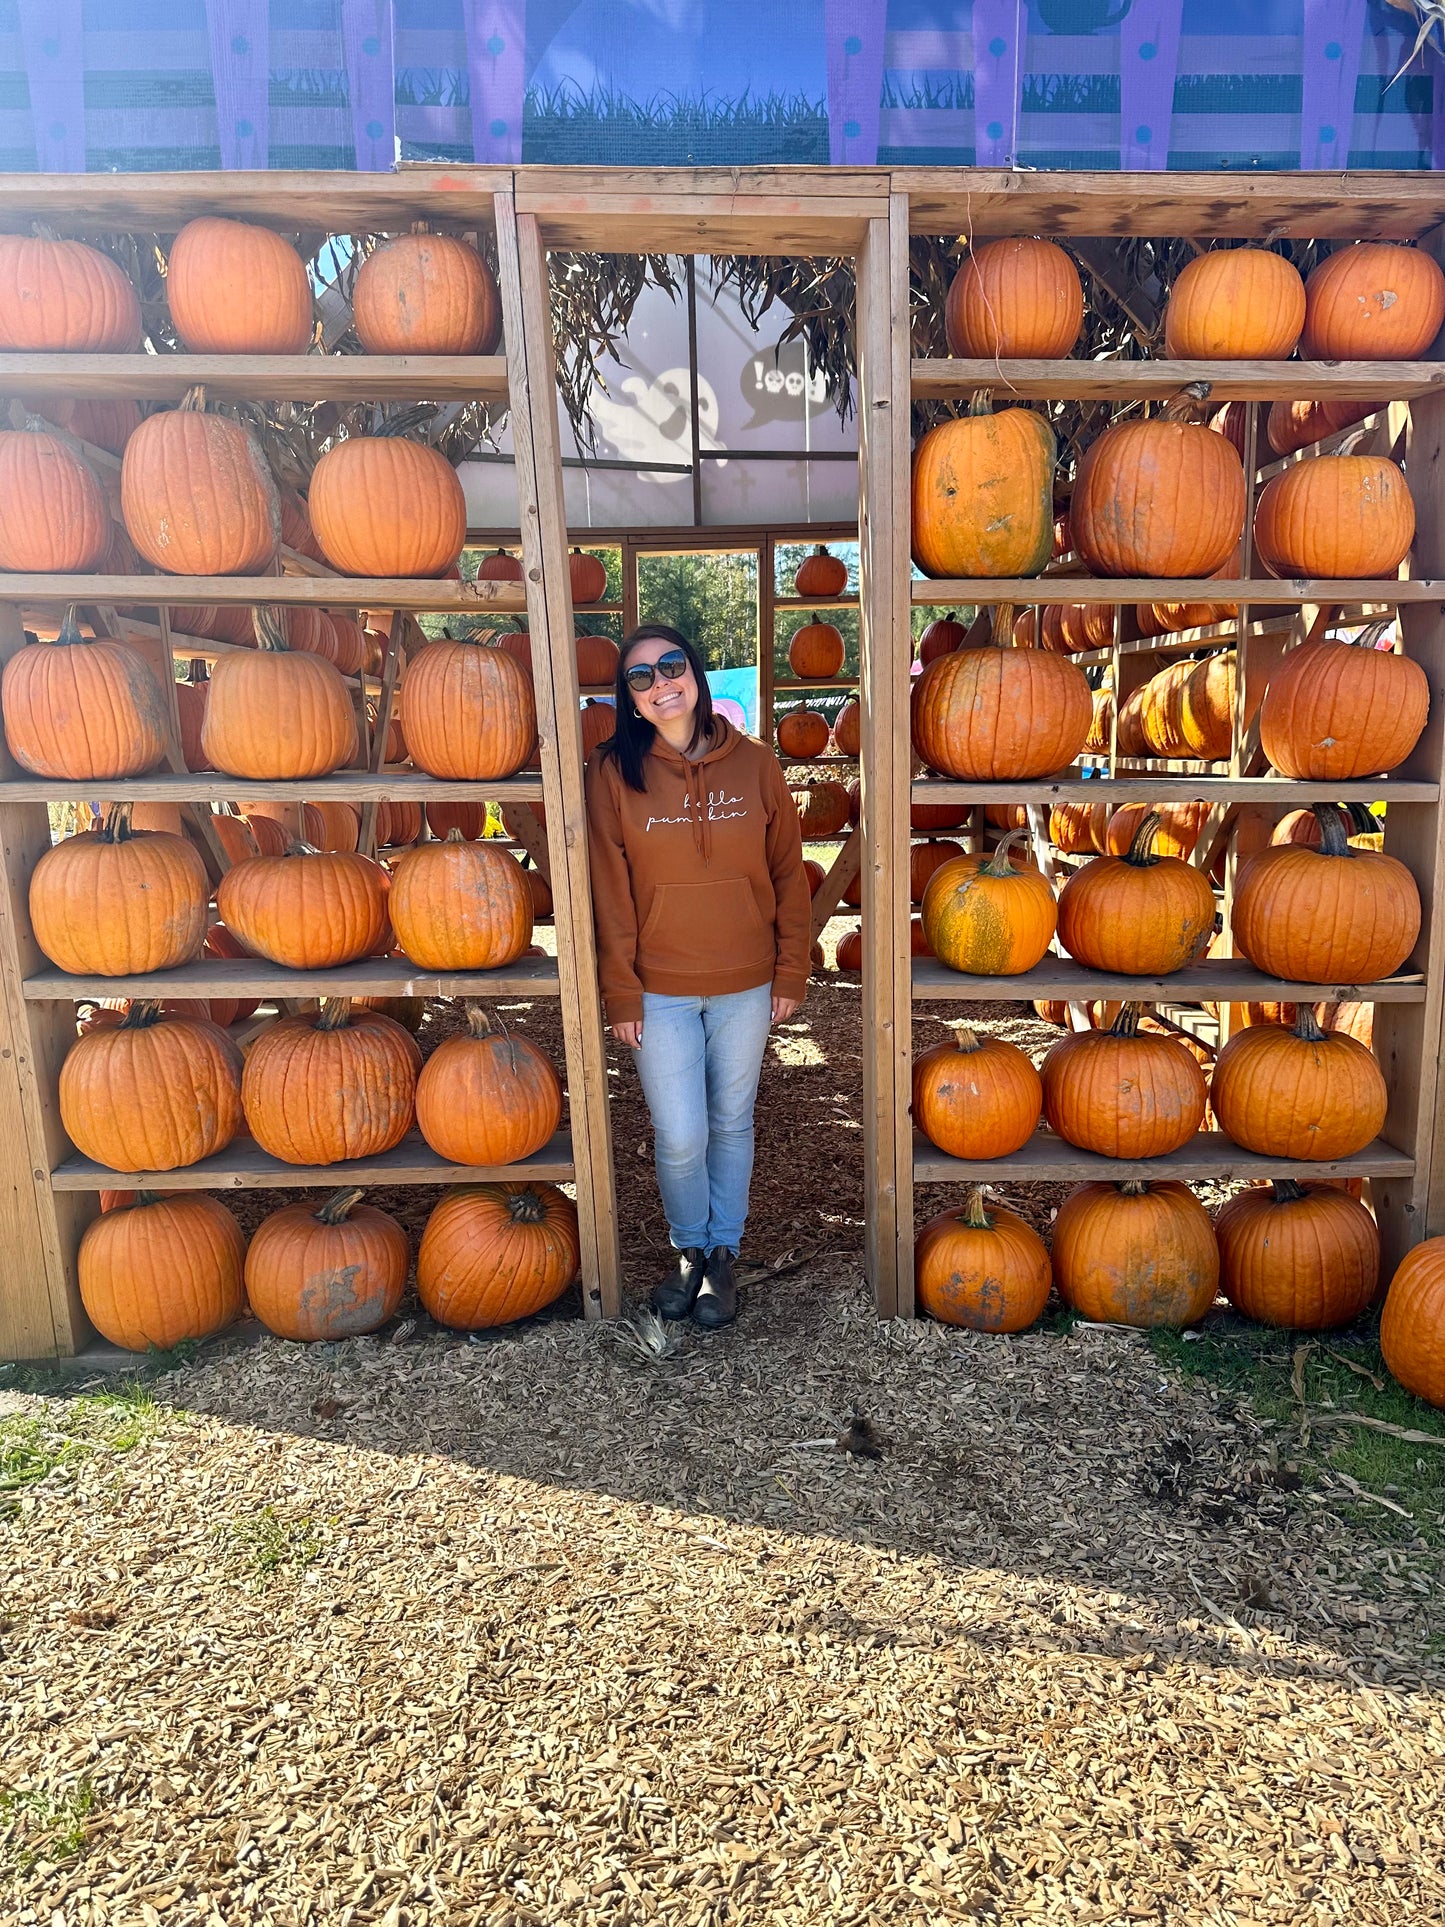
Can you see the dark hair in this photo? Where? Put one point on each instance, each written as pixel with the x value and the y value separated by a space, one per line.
pixel 634 735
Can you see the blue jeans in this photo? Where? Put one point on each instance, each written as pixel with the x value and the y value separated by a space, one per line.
pixel 699 1066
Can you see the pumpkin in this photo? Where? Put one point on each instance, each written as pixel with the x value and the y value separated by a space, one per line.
pixel 1169 618
pixel 498 566
pixel 1123 1092
pixel 1188 709
pixel 588 576
pixel 398 825
pixel 1235 304
pixel 597 660
pixel 318 632
pixel 1140 914
pixel 323 1273
pixel 1293 425
pixel 269 831
pixel 493 1253
pixel 985 1270
pixel 277 714
pixel 982 494
pixel 152 1093
pixel 1129 737
pixel 1335 516
pixel 1332 915
pixel 53 516
pixel 1070 628
pixel 1077 829
pixel 1306 1257
pixel 821 576
pixel 62 297
pixel 1375 301
pixel 850 949
pixel 309 910
pixel 112 904
pixel 409 1012
pixel 1303 1093
pixel 802 734
pixel 1333 711
pixel 191 708
pixel 1158 498
pixel 79 709
pixel 196 495
pixel 816 652
pixel 925 858
pixel 939 638
pixel 1412 1325
pixel 159 1271
pixel 426 294
pixel 1136 1253
pixel 469 818
pixel 488 1097
pixel 333 826
pixel 976 1097
pixel 331 1084
pixel 296 530
pixel 815 873
pixel 235 836
pixel 926 817
pixel 822 808
pixel 460 906
pixel 1017 298
pixel 991 714
pixel 1230 421
pixel 467 711
pixel 848 728
pixel 385 506
pixel 1355 1019
pixel 107 424
pixel 1176 834
pixel 989 919
pixel 540 890
pixel 237 289
pixel 1101 726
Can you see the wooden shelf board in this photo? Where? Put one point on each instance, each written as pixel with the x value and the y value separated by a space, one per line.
pixel 1169 786
pixel 244 1166
pixel 428 594
pixel 1210 1155
pixel 346 786
pixel 943 379
pixel 1090 588
pixel 815 682
pixel 254 977
pixel 258 377
pixel 331 201
pixel 1222 980
pixel 815 602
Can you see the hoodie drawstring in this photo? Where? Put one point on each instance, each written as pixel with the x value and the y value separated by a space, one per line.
pixel 701 828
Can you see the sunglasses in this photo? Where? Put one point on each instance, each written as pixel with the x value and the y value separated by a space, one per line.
pixel 644 674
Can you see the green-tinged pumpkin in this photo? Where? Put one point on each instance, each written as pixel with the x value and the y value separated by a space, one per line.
pixel 987 918
pixel 983 502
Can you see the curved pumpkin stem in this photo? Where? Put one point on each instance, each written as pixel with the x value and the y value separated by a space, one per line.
pixel 335 1014
pixel 1141 850
pixel 298 846
pixel 980 402
pixel 142 1014
pixel 338 1206
pixel 393 427
pixel 116 827
pixel 1334 838
pixel 526 1206
pixel 193 402
pixel 484 1023
pixel 70 630
pixel 1370 636
pixel 1126 1024
pixel 1133 1187
pixel 1308 1028
pixel 144 1197
pixel 454 835
pixel 1188 404
pixel 270 633
pixel 974 1213
pixel 1288 1190
pixel 998 864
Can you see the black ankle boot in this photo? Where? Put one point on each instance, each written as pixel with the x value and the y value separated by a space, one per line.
pixel 717 1302
pixel 673 1296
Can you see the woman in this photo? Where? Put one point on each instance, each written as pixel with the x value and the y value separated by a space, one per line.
pixel 703 916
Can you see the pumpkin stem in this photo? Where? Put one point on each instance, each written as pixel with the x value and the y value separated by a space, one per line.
pixel 193 402
pixel 116 828
pixel 1141 850
pixel 1353 443
pixel 69 629
pixel 1001 626
pixel 1186 406
pixel 392 428
pixel 525 1206
pixel 335 1013
pixel 454 835
pixel 966 1038
pixel 1307 1026
pixel 142 1014
pixel 1371 636
pixel 998 864
pixel 823 549
pixel 1334 838
pixel 338 1206
pixel 483 1023
pixel 1126 1024
pixel 146 1197
pixel 974 1214
pixel 298 846
pixel 980 402
pixel 1287 1190
pixel 1133 1187
pixel 269 625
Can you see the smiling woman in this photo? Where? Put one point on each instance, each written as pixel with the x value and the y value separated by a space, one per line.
pixel 702 911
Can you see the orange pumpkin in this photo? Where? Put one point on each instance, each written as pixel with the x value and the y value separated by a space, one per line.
pixel 152 1093
pixel 1018 298
pixel 976 1097
pixel 53 517
pixel 925 858
pixel 385 506
pixel 1332 915
pixel 1302 1093
pixel 469 818
pixel 1136 1254
pixel 848 728
pixel 467 711
pixel 1176 834
pixel 588 575
pixel 1333 711
pixel 277 714
pixel 1123 1092
pixel 1305 1257
pixel 237 289
pixel 1235 304
pixel 597 659
pixel 1355 1019
pixel 460 906
pixel 112 904
pixel 989 919
pixel 310 910
pixel 1077 829
pixel 987 1271
pixel 802 734
pixel 494 1253
pixel 331 1084
pixel 821 575
pixel 1293 425
pixel 1070 628
pixel 982 494
pixel 992 715
pixel 822 808
pixel 64 297
pixel 498 566
pixel 816 651
pixel 319 1274
pixel 940 636
pixel 426 294
pixel 1128 509
pixel 191 707
pixel 1412 1325
pixel 83 710
pixel 155 1272
pixel 1188 709
pixel 1335 516
pixel 1140 914
pixel 197 496
pixel 489 1097
pixel 1374 301
pixel 1169 618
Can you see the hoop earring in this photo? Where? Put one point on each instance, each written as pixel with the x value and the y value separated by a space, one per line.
pixel 637 712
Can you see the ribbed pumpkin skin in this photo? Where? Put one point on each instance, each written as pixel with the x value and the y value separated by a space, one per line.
pixel 426 294
pixel 1356 1020
pixel 197 497
pixel 1078 829
pixel 83 709
pixel 118 909
pixel 53 517
pixel 942 635
pixel 1304 1263
pixel 1336 516
pixel 153 1098
pixel 65 297
pixel 1124 1097
pixel 1288 1096
pixel 1333 711
pixel 480 1264
pixel 983 501
pixel 314 1282
pixel 977 1097
pixel 848 728
pixel 803 733
pixel 384 506
pixel 849 953
pixel 821 574
pixel 817 649
pixel 1158 498
pixel 1373 302
pixel 460 906
pixel 1235 304
pixel 237 289
pixel 1188 709
pixel 1168 618
pixel 1145 1259
pixel 469 818
pixel 822 807
pixel 989 1278
pixel 488 1100
pixel 1179 828
pixel 311 911
pixel 588 576
pixel 1141 920
pixel 987 715
pixel 1316 919
pixel 1292 425
pixel 315 1096
pixel 925 858
pixel 1412 1325
pixel 1014 298
pixel 987 925
pixel 467 711
pixel 1069 627
pixel 162 1272
pixel 276 714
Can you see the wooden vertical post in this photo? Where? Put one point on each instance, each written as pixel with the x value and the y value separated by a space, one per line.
pixel 542 518
pixel 767 636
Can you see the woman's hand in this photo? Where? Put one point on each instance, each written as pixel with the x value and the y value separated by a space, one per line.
pixel 631 1033
pixel 783 1008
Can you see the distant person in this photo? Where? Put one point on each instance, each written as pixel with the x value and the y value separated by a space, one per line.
pixel 703 933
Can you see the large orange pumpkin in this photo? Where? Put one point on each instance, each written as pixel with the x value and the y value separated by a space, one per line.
pixel 80 710
pixel 53 517
pixel 976 1097
pixel 426 294
pixel 158 1271
pixel 1235 304
pixel 1158 498
pixel 1332 915
pixel 237 289
pixel 1136 1253
pixel 985 1270
pixel 1293 425
pixel 989 919
pixel 816 652
pixel 983 494
pixel 1335 516
pixel 311 910
pixel 460 906
pixel 821 575
pixel 1304 1257
pixel 488 1097
pixel 64 297
pixel 274 713
pixel 1139 914
pixel 1375 301
pixel 331 1084
pixel 197 496
pixel 1123 1092
pixel 111 904
pixel 327 1272
pixel 993 715
pixel 467 711
pixel 802 734
pixel 151 1093
pixel 1412 1325
pixel 1017 298
pixel 493 1253
pixel 385 506
pixel 1333 711
pixel 1302 1093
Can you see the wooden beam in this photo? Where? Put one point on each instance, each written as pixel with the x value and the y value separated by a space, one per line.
pixel 244 1166
pixel 341 202
pixel 1210 1155
pixel 828 897
pixel 1202 787
pixel 213 786
pixel 1093 589
pixel 313 591
pixel 942 379
pixel 1214 980
pixel 255 977
pixel 302 377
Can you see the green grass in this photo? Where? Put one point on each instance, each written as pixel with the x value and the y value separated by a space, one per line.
pixel 262 1546
pixel 38 1827
pixel 32 1446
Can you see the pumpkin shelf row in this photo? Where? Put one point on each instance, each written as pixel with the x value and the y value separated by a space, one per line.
pixel 1335 384
pixel 43 379
pixel 244 1166
pixel 1210 1154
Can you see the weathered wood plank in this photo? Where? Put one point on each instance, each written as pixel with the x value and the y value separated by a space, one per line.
pixel 1210 1155
pixel 1216 980
pixel 943 379
pixel 244 1166
pixel 258 377
pixel 254 977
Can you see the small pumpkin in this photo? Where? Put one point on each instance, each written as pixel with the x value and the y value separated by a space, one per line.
pixel 597 659
pixel 588 575
pixel 848 728
pixel 976 1097
pixel 112 904
pixel 925 858
pixel 494 1253
pixel 1412 1325
pixel 816 652
pixel 1335 516
pixel 985 1270
pixel 197 496
pixel 277 714
pixel 802 734
pixel 821 575
pixel 1177 833
pixel 1136 1253
pixel 426 294
pixel 63 297
pixel 331 1084
pixel 316 1274
pixel 822 808
pixel 982 494
pixel 1000 714
pixel 1015 298
pixel 1170 618
pixel 460 906
pixel 385 506
pixel 1374 301
pixel 488 1097
pixel 849 953
pixel 467 711
pixel 1305 1257
pixel 499 566
pixel 1332 915
pixel 1123 1092
pixel 469 818
pixel 1140 914
pixel 939 638
pixel 1070 628
pixel 1293 425
pixel 1235 304
pixel 1303 1093
pixel 53 515
pixel 307 910
pixel 1128 509
pixel 152 1093
pixel 989 919
pixel 1188 709
pixel 83 710
pixel 156 1272
pixel 1333 711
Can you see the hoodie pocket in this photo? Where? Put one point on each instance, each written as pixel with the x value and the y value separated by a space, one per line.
pixel 694 929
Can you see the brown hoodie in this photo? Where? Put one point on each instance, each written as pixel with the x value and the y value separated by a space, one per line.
pixel 697 886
